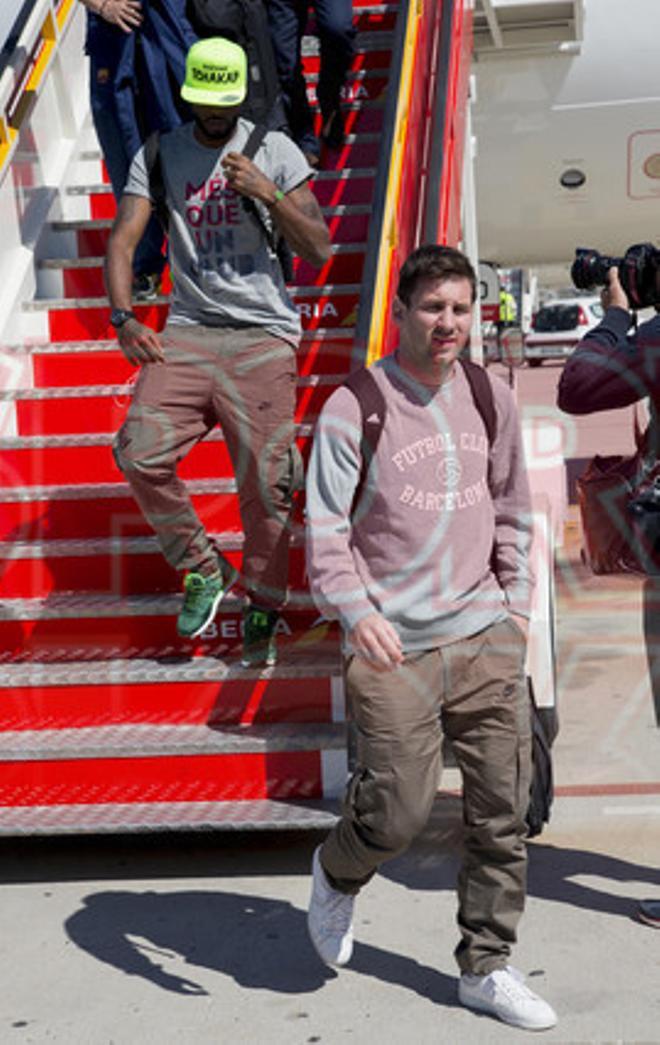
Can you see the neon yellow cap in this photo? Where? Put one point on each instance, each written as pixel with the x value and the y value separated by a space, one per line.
pixel 216 73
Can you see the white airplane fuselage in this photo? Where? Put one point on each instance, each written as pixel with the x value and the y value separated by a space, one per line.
pixel 595 114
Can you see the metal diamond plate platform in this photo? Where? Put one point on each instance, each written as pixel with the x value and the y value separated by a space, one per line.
pixel 114 818
pixel 24 494
pixel 315 664
pixel 136 741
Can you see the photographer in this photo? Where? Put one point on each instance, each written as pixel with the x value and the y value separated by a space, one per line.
pixel 612 368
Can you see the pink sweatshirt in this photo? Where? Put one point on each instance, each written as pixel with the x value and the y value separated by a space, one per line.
pixel 436 546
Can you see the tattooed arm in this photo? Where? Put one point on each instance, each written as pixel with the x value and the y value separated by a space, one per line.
pixel 297 214
pixel 138 342
pixel 299 219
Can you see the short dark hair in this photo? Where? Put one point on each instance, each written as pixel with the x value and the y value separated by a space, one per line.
pixel 432 261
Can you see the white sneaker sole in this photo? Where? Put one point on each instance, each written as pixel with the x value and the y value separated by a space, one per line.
pixel 653 922
pixel 480 1006
pixel 269 662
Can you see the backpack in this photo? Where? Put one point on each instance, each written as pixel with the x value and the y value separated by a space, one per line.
pixel 246 23
pixel 276 242
pixel 373 409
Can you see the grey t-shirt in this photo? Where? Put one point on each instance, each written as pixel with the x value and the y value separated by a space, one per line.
pixel 223 272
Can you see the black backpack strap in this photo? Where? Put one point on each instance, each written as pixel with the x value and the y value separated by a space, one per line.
pixel 482 393
pixel 256 136
pixel 276 243
pixel 373 408
pixel 154 165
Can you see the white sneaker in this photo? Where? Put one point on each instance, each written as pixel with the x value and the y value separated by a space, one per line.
pixel 330 918
pixel 503 994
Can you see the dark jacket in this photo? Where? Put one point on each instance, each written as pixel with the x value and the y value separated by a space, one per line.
pixel 611 368
pixel 148 66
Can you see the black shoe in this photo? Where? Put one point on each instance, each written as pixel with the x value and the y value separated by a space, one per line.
pixel 312 158
pixel 648 911
pixel 259 637
pixel 333 129
pixel 146 287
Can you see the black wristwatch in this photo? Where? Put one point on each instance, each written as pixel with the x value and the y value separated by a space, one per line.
pixel 119 316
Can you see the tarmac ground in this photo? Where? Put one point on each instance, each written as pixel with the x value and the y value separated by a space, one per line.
pixel 202 938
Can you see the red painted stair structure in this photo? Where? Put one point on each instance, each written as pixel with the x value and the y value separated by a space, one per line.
pixel 108 720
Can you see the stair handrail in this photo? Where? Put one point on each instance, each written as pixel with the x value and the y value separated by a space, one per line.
pixel 426 97
pixel 23 76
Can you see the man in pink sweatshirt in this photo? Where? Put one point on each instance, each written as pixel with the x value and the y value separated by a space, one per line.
pixel 428 573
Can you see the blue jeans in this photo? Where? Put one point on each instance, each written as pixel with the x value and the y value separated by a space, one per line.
pixel 288 19
pixel 149 256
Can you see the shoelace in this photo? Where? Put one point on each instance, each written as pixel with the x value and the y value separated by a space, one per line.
pixel 509 983
pixel 194 592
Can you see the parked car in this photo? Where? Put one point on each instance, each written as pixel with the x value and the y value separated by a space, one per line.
pixel 558 326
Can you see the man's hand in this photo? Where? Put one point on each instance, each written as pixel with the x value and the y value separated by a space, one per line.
pixel 613 295
pixel 140 344
pixel 126 14
pixel 375 639
pixel 297 214
pixel 246 178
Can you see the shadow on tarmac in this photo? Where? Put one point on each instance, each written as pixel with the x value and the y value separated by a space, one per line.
pixel 432 864
pixel 260 943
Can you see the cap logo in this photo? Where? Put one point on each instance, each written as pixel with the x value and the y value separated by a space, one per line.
pixel 221 76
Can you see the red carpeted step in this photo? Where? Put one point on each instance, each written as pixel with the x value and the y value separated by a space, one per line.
pixel 104 568
pixel 184 779
pixel 88 319
pixel 227 701
pixel 104 409
pixel 347 225
pixel 374 58
pixel 82 280
pixel 42 513
pixel 99 628
pixel 93 623
pixel 51 461
pixel 103 363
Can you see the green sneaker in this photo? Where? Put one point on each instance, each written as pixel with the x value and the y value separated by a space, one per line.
pixel 259 637
pixel 202 596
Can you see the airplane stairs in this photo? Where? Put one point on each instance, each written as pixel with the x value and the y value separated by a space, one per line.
pixel 108 720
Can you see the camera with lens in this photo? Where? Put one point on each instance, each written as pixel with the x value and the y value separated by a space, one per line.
pixel 638 271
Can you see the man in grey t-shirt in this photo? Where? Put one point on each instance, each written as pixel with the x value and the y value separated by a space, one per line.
pixel 227 354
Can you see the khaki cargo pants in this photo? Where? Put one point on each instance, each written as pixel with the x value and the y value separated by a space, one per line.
pixel 245 381
pixel 473 690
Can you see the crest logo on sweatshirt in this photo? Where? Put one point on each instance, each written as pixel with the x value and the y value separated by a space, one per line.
pixel 449 472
